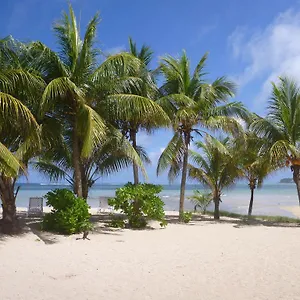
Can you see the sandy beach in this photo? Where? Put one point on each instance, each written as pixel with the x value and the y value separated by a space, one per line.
pixel 201 260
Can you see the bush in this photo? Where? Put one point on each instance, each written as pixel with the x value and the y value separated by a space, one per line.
pixel 69 214
pixel 117 222
pixel 139 203
pixel 186 217
pixel 201 200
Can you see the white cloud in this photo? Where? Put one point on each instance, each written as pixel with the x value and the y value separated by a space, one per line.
pixel 268 53
pixel 154 156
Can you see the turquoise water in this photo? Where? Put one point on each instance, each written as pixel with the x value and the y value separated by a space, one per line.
pixel 268 200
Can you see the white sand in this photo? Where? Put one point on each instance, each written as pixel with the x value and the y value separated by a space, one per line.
pixel 204 260
pixel 295 210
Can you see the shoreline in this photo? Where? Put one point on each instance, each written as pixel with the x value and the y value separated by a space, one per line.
pixel 293 210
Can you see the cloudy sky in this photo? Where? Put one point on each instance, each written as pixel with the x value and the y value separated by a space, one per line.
pixel 251 41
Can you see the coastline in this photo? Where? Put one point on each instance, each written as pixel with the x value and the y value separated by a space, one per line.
pixel 293 210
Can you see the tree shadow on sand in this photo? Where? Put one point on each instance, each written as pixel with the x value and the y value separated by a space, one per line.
pixel 32 225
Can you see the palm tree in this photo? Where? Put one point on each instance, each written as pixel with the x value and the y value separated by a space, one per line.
pixel 215 167
pixel 254 160
pixel 133 108
pixel 109 157
pixel 281 126
pixel 19 131
pixel 73 79
pixel 193 105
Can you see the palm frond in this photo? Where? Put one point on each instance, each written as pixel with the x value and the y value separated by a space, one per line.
pixel 172 156
pixel 92 129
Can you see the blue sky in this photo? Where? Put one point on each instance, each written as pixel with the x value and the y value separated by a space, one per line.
pixel 252 42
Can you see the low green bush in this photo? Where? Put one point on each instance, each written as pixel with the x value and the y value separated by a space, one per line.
pixel 186 217
pixel 117 222
pixel 139 203
pixel 69 214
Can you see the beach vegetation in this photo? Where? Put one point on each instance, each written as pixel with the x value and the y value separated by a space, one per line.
pixel 76 84
pixel 140 203
pixel 186 216
pixel 75 114
pixel 253 154
pixel 69 213
pixel 244 217
pixel 20 133
pixel 281 126
pixel 201 200
pixel 215 167
pixel 134 109
pixel 193 105
pixel 117 222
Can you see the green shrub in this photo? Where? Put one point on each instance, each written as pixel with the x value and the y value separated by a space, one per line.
pixel 69 214
pixel 117 222
pixel 201 200
pixel 186 217
pixel 139 203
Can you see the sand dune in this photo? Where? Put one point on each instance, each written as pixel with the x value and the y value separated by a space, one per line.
pixel 204 260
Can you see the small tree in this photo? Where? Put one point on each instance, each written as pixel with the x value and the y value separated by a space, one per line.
pixel 254 161
pixel 201 200
pixel 69 214
pixel 216 167
pixel 140 203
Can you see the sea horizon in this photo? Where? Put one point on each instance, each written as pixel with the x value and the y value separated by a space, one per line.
pixel 271 199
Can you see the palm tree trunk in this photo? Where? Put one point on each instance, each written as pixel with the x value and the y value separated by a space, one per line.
pixel 183 181
pixel 296 177
pixel 252 185
pixel 251 203
pixel 134 165
pixel 217 207
pixel 9 213
pixel 76 164
pixel 85 183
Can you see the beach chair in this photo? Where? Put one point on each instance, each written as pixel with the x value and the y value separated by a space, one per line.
pixel 103 205
pixel 35 207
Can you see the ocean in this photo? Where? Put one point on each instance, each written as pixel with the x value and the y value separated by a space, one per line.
pixel 268 200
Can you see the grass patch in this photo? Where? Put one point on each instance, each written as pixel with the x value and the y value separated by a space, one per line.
pixel 224 213
pixel 275 219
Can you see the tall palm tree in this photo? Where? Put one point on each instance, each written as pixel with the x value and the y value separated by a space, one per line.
pixel 215 167
pixel 133 109
pixel 73 78
pixel 281 126
pixel 193 105
pixel 20 90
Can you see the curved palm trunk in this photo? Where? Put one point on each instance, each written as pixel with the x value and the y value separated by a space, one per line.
pixel 77 164
pixel 134 165
pixel 296 178
pixel 252 186
pixel 183 177
pixel 9 224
